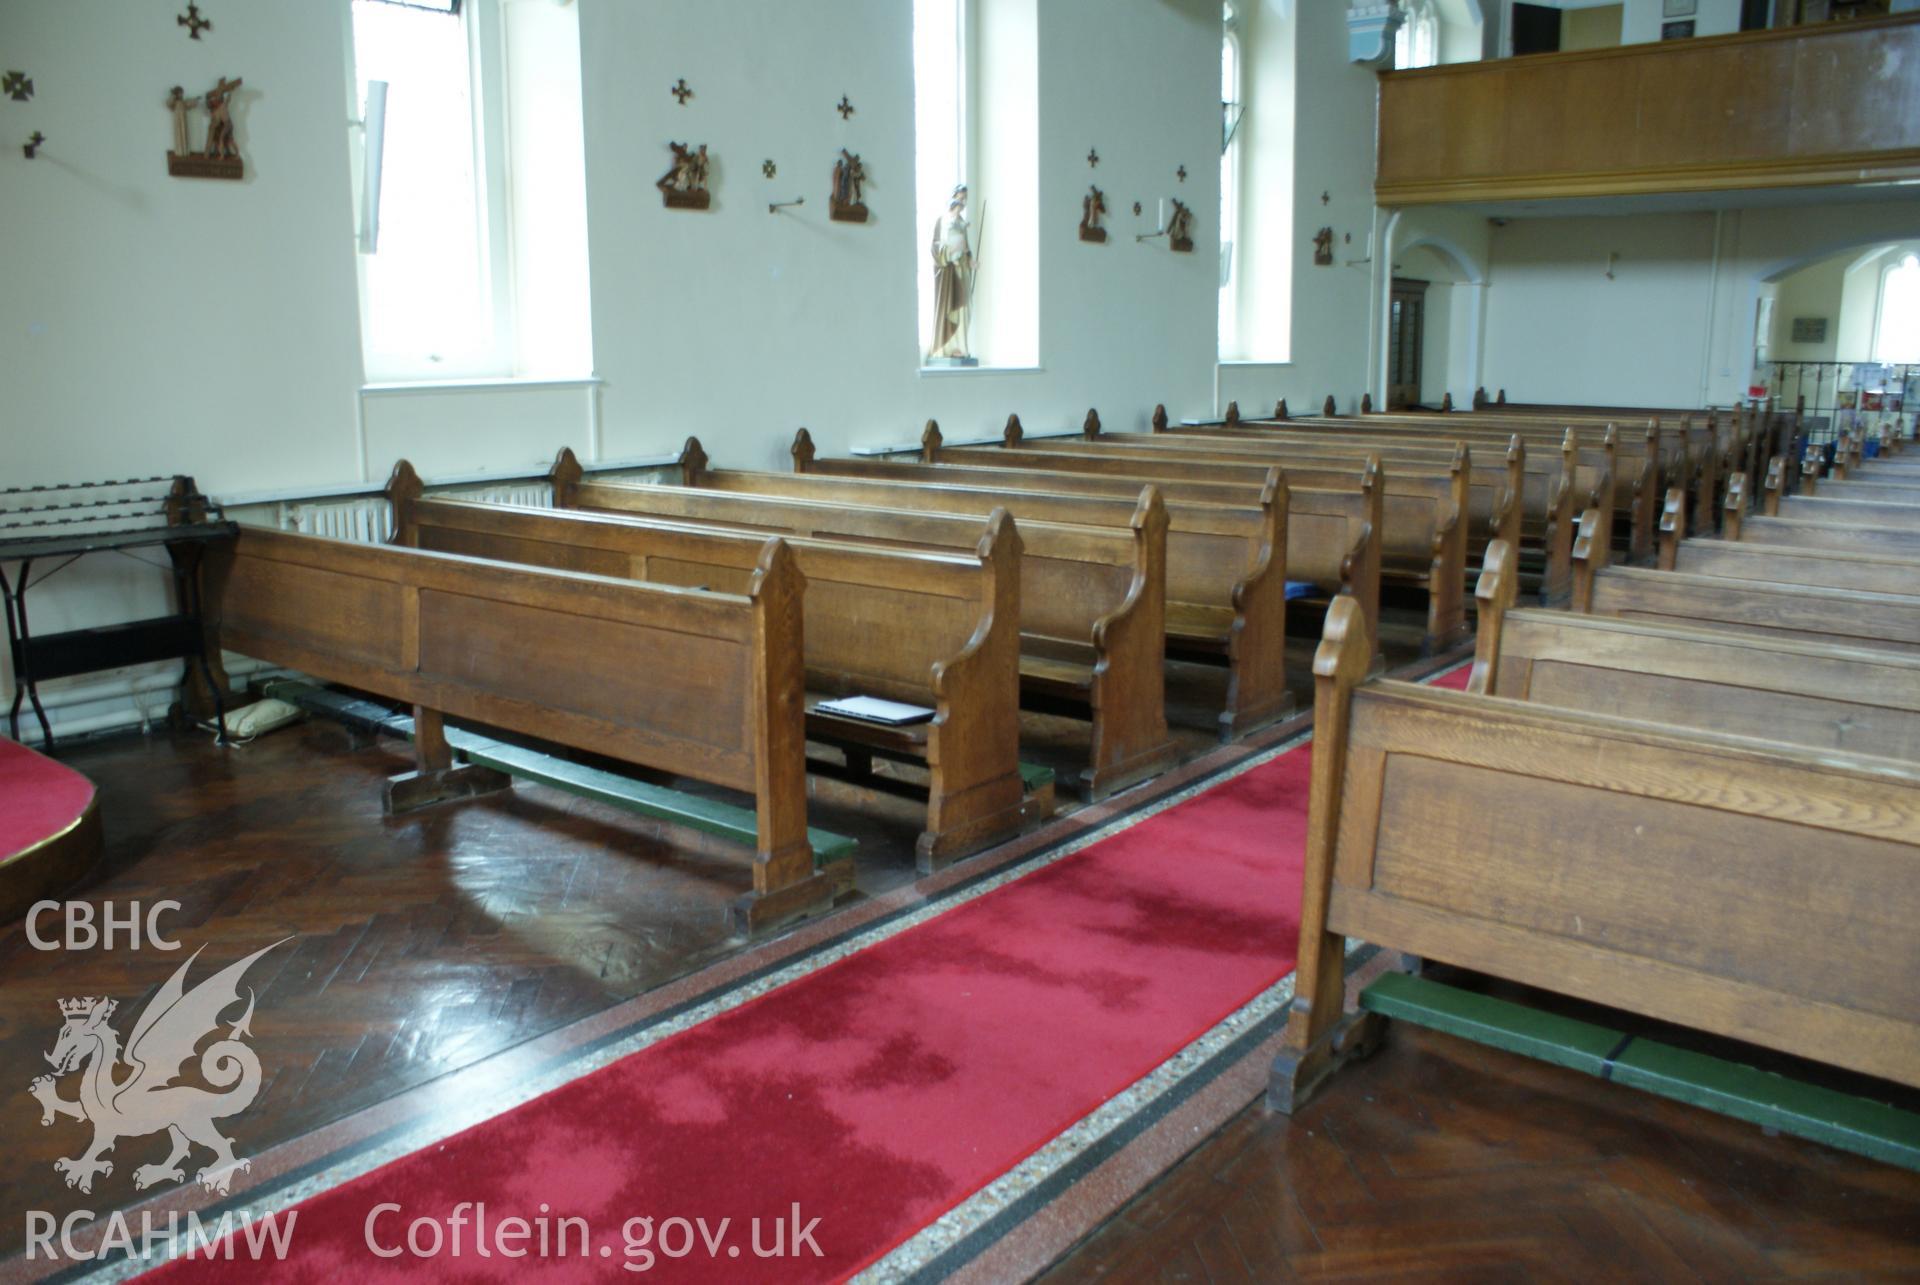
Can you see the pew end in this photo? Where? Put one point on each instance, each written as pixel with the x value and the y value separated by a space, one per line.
pixel 1736 507
pixel 1320 1037
pixel 564 477
pixel 693 463
pixel 1673 528
pixel 931 442
pixel 1590 556
pixel 1494 595
pixel 404 489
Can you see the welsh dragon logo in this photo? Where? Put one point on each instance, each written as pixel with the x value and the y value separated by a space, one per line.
pixel 131 1094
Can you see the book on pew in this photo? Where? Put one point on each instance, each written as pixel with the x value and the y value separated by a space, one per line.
pixel 871 709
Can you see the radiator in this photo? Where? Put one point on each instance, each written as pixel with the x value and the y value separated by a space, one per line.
pixel 365 518
pixel 369 518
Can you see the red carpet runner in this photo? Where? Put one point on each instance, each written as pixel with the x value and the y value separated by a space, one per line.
pixel 878 1092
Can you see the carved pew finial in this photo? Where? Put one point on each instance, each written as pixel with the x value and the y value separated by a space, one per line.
pixel 1775 486
pixel 1329 408
pixel 1501 400
pixel 1673 527
pixel 1010 435
pixel 1366 403
pixel 1090 426
pixel 693 462
pixel 403 488
pixel 1590 550
pixel 930 442
pixel 1233 414
pixel 1446 403
pixel 1280 409
pixel 1159 422
pixel 802 451
pixel 564 477
pixel 1480 397
pixel 1497 590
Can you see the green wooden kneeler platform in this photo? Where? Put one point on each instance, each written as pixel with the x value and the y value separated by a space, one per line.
pixel 709 816
pixel 1765 1098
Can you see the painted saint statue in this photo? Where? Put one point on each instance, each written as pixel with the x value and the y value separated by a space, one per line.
pixel 952 278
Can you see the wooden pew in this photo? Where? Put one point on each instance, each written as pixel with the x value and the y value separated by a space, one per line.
pixel 1768 894
pixel 1549 504
pixel 1641 468
pixel 1227 564
pixel 1220 606
pixel 1492 492
pixel 940 630
pixel 1818 508
pixel 1863 485
pixel 1846 617
pixel 1423 514
pixel 1844 698
pixel 702 685
pixel 1092 602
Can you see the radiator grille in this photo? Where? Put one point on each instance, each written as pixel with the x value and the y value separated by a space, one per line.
pixel 369 518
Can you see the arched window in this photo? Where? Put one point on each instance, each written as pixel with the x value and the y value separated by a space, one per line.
pixel 1418 43
pixel 1897 336
pixel 1230 109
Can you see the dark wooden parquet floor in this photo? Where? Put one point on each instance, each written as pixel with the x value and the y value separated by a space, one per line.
pixel 1445 1160
pixel 420 945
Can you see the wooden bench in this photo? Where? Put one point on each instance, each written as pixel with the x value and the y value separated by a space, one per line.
pixel 1424 511
pixel 1549 503
pixel 1224 604
pixel 939 630
pixel 701 685
pixel 1818 508
pixel 1768 893
pixel 1092 601
pixel 1847 617
pixel 1638 470
pixel 1857 699
pixel 1227 564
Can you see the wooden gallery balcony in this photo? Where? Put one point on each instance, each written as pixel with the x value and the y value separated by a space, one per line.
pixel 1808 106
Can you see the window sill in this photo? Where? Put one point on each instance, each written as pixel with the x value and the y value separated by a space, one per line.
pixel 387 388
pixel 941 372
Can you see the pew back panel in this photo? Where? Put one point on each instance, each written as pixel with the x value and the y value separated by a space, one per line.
pixel 1767 895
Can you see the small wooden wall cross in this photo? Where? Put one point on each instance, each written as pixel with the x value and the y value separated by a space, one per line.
pixel 193 22
pixel 17 85
pixel 1093 158
pixel 844 107
pixel 681 91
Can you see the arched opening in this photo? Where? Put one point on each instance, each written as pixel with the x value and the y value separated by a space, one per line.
pixel 1431 318
pixel 1839 333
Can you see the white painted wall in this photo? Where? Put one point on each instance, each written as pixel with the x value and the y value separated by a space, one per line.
pixel 1333 155
pixel 742 326
pixel 1813 292
pixel 1557 330
pixel 152 324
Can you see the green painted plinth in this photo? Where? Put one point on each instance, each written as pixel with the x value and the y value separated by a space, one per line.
pixel 709 816
pixel 1765 1098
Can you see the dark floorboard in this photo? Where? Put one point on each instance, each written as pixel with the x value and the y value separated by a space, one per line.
pixel 1445 1160
pixel 421 944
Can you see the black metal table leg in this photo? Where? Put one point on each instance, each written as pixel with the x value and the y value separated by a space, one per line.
pixel 23 669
